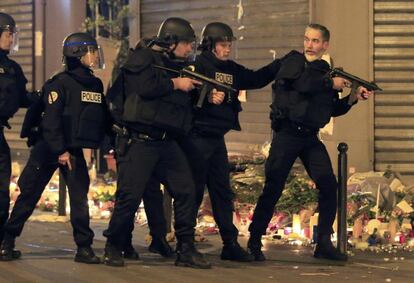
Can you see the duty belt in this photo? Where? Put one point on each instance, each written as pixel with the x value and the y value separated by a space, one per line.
pixel 301 129
pixel 135 136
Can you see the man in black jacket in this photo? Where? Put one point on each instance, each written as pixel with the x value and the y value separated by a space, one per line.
pixel 75 117
pixel 305 98
pixel 13 95
pixel 154 109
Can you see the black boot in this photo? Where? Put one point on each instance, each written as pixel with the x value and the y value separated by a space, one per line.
pixel 113 255
pixel 254 247
pixel 188 256
pixel 8 252
pixel 86 255
pixel 159 245
pixel 233 251
pixel 130 253
pixel 16 254
pixel 325 249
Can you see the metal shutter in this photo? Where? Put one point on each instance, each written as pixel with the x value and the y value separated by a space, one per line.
pixel 265 25
pixel 393 70
pixel 22 12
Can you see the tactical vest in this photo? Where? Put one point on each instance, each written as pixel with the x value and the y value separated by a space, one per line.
pixel 217 120
pixel 171 113
pixel 84 112
pixel 311 109
pixel 9 94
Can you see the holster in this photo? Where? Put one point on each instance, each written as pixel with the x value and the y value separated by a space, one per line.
pixel 277 117
pixel 121 144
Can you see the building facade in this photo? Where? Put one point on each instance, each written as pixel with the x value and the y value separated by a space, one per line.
pixel 373 39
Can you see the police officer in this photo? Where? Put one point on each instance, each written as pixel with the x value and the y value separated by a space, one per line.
pixel 154 108
pixel 74 118
pixel 305 98
pixel 205 147
pixel 13 95
pixel 153 199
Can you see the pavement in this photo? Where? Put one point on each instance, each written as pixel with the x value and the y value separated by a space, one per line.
pixel 48 250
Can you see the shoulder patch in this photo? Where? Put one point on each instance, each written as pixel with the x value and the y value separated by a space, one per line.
pixel 89 96
pixel 2 71
pixel 52 97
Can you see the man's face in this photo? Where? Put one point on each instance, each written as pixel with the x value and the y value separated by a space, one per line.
pixel 222 50
pixel 314 46
pixel 184 49
pixel 6 40
pixel 90 59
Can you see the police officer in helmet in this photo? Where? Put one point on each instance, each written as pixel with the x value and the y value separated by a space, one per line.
pixel 13 95
pixel 74 117
pixel 205 146
pixel 155 109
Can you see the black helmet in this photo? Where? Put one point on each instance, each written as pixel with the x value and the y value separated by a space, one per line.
pixel 174 30
pixel 77 44
pixel 80 44
pixel 214 32
pixel 7 23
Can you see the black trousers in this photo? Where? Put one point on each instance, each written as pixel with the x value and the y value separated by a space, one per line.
pixel 286 147
pixel 5 174
pixel 210 166
pixel 142 161
pixel 209 163
pixel 153 199
pixel 154 209
pixel 36 175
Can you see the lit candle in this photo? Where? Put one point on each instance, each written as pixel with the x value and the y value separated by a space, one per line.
pixel 377 204
pixel 296 224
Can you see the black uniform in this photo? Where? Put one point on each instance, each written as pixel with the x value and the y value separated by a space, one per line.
pixel 74 118
pixel 12 96
pixel 154 114
pixel 152 197
pixel 205 146
pixel 304 102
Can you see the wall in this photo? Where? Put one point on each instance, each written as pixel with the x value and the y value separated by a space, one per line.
pixel 351 24
pixel 61 18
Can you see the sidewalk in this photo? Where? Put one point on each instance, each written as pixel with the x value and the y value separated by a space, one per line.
pixel 48 251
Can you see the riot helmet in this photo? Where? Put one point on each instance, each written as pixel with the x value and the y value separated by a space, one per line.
pixel 215 32
pixel 8 25
pixel 174 30
pixel 84 47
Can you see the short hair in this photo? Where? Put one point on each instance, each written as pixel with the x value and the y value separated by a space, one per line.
pixel 326 35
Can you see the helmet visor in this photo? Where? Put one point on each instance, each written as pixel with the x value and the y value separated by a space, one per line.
pixel 186 50
pixel 192 55
pixel 15 45
pixel 94 57
pixel 10 38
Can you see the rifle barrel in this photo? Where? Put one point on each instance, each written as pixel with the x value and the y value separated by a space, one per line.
pixel 369 85
pixel 196 76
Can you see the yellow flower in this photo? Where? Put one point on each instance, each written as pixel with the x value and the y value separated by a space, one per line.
pixel 112 190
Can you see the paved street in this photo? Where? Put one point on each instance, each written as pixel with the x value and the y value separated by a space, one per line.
pixel 48 251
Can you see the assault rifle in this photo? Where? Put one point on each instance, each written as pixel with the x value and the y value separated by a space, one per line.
pixel 355 81
pixel 208 83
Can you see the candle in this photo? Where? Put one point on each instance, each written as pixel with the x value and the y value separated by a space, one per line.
pixel 296 224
